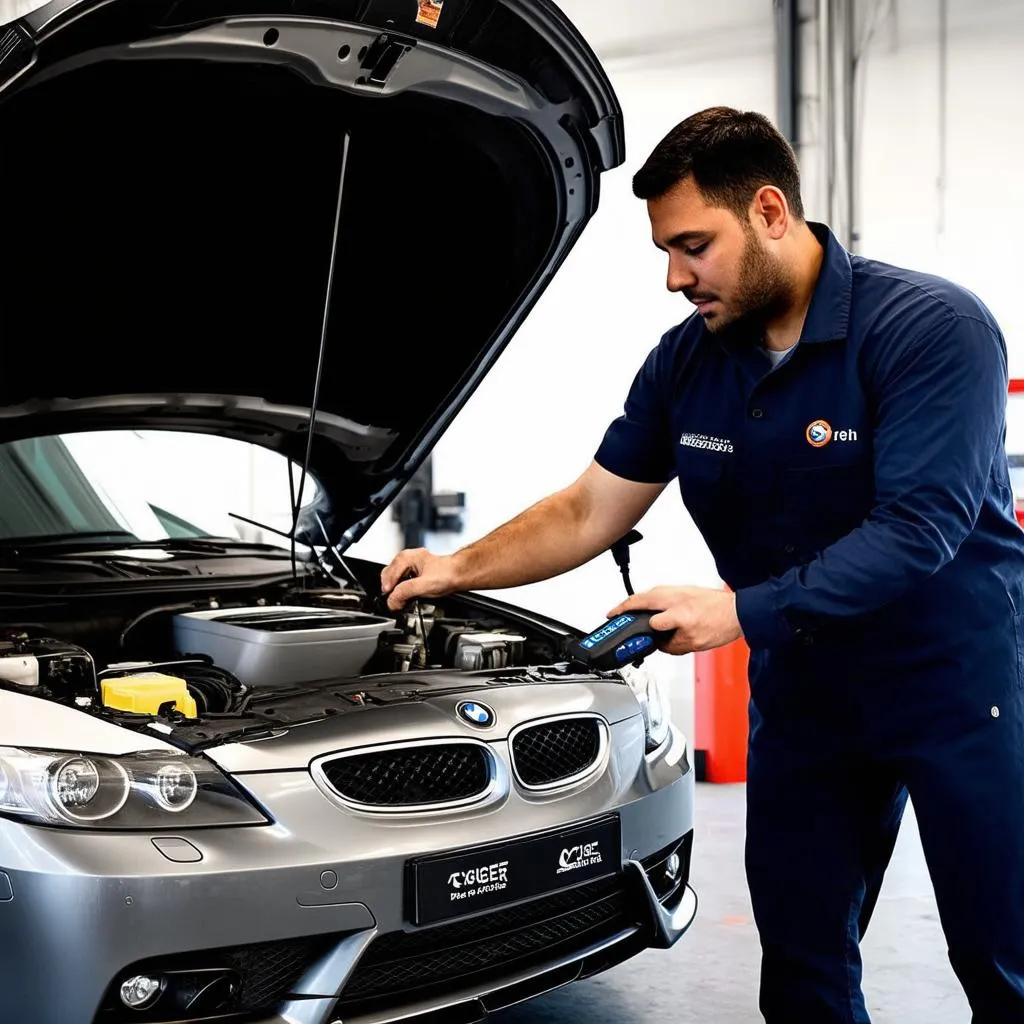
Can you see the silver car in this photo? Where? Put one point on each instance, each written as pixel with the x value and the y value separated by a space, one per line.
pixel 233 785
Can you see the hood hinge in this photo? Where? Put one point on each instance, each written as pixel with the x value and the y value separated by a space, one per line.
pixel 382 57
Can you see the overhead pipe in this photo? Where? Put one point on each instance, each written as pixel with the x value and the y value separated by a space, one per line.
pixel 787 69
pixel 941 183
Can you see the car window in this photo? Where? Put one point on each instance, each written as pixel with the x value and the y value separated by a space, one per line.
pixel 150 484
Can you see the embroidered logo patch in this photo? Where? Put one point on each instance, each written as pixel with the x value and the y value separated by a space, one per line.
pixel 709 443
pixel 820 433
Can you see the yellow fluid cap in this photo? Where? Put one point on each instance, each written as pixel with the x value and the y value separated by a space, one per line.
pixel 142 693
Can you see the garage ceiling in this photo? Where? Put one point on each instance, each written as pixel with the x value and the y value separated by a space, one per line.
pixel 621 30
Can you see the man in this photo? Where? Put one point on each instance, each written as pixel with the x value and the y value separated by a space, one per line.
pixel 837 429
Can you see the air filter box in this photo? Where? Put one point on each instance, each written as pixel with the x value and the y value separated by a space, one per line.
pixel 282 646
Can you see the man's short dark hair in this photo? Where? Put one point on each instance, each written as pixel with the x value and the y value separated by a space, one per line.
pixel 730 154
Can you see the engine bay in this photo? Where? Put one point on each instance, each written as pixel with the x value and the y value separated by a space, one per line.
pixel 204 671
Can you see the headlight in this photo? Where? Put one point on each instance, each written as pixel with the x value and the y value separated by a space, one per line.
pixel 653 700
pixel 148 791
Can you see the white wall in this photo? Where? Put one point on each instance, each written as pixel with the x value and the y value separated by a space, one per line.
pixel 965 224
pixel 536 421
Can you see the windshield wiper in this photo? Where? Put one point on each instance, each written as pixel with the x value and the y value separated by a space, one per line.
pixel 200 545
pixel 73 537
pixel 112 540
pixel 46 538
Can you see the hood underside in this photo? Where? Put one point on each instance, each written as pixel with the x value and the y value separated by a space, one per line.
pixel 173 177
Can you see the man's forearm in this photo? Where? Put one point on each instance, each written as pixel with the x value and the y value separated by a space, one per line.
pixel 549 538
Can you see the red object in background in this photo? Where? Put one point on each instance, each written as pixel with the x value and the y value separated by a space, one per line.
pixel 721 694
pixel 1017 388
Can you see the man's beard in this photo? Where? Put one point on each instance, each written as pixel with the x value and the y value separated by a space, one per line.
pixel 763 291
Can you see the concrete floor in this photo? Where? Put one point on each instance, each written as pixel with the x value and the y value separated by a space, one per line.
pixel 711 975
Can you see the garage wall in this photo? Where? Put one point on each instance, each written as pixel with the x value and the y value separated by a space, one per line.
pixel 940 166
pixel 535 422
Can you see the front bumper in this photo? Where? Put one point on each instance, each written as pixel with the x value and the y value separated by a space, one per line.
pixel 303 902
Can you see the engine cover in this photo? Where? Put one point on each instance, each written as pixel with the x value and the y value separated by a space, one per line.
pixel 282 646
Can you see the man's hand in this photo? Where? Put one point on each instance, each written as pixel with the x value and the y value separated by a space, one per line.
pixel 431 576
pixel 701 617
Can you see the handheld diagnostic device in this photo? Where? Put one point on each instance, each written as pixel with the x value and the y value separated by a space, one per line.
pixel 624 640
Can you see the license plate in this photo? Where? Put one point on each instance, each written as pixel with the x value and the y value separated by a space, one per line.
pixel 484 877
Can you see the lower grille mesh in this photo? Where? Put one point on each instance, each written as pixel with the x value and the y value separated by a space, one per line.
pixel 263 975
pixel 399 964
pixel 268 971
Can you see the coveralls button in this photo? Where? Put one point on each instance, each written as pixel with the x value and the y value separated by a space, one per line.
pixel 995 711
pixel 757 413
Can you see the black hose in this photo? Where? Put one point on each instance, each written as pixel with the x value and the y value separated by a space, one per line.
pixel 189 606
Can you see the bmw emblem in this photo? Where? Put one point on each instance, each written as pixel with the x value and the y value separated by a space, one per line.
pixel 475 713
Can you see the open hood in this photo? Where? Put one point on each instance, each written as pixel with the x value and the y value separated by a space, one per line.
pixel 170 173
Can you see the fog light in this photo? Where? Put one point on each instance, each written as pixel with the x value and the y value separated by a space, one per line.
pixel 140 991
pixel 672 867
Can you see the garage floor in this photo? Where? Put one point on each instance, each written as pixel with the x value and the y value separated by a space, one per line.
pixel 711 975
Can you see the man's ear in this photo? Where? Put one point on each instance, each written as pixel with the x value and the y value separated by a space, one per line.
pixel 771 211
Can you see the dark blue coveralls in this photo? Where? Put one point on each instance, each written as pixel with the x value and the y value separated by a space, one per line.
pixel 857 499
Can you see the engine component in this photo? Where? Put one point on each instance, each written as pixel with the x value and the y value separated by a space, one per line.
pixel 145 693
pixel 488 650
pixel 283 645
pixel 408 656
pixel 348 598
pixel 464 644
pixel 424 638
pixel 55 668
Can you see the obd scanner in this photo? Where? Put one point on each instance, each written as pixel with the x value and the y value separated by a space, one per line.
pixel 625 640
pixel 628 638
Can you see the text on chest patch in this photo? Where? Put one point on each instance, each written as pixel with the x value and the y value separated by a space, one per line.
pixel 819 433
pixel 706 441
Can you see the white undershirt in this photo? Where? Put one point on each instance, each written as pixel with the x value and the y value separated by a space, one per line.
pixel 777 355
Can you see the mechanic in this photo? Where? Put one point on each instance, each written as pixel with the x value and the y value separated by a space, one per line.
pixel 836 426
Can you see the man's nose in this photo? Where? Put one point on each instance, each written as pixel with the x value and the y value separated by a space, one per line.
pixel 680 276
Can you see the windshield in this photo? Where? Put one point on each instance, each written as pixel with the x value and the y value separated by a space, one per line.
pixel 145 485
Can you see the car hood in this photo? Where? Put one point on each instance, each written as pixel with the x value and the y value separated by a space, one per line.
pixel 221 214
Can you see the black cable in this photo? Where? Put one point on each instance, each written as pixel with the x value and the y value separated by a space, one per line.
pixel 182 606
pixel 620 552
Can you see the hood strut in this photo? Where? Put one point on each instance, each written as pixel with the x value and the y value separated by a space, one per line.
pixel 297 495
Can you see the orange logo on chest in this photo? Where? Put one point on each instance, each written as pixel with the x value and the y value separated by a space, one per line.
pixel 818 433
